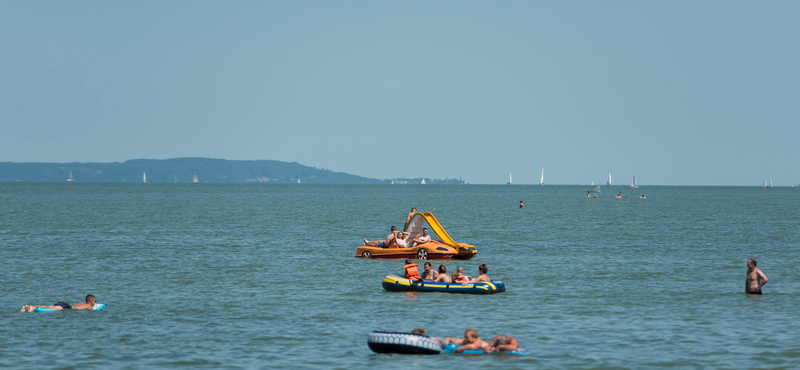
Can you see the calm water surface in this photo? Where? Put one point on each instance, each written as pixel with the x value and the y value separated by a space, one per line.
pixel 257 276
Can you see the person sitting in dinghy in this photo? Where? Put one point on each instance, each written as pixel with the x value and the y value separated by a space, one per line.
pixel 429 273
pixel 443 276
pixel 89 305
pixel 482 277
pixel 411 271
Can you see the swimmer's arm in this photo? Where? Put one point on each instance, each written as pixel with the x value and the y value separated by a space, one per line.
pixel 764 277
pixel 474 345
pixel 449 340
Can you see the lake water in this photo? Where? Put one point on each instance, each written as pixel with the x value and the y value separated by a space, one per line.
pixel 258 276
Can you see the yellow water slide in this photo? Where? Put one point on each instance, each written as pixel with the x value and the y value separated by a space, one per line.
pixel 415 224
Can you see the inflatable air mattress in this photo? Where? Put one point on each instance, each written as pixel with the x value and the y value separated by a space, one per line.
pixel 451 348
pixel 97 307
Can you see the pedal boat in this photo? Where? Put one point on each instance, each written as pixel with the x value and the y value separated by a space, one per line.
pixel 445 247
pixel 396 283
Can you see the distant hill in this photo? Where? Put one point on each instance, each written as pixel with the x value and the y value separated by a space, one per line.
pixel 183 169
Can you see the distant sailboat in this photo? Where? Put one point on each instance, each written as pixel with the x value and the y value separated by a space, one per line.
pixel 298 181
pixel 541 182
pixel 770 183
pixel 592 183
pixel 69 179
pixel 609 179
pixel 509 178
pixel 634 184
pixel 392 181
pixel 423 181
pixel 194 179
pixel 176 179
pixel 144 177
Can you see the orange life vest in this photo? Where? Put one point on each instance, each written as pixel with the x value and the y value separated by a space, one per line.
pixel 412 272
pixel 461 279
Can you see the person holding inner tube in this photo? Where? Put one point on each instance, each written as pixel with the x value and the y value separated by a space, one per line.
pixel 471 340
pixel 411 271
pixel 501 343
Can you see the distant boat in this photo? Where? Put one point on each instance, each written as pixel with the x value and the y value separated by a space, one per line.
pixel 392 181
pixel 69 179
pixel 509 178
pixel 144 177
pixel 770 182
pixel 541 182
pixel 298 181
pixel 592 183
pixel 194 179
pixel 765 186
pixel 609 179
pixel 634 184
pixel 423 181
pixel 176 179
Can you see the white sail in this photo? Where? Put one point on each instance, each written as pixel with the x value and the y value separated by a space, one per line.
pixel 392 181
pixel 633 183
pixel 764 185
pixel 69 179
pixel 609 179
pixel 298 181
pixel 770 182
pixel 194 179
pixel 509 178
pixel 423 181
pixel 541 182
pixel 144 177
pixel 592 183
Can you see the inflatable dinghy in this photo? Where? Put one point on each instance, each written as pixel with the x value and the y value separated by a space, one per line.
pixel 395 283
pixel 381 341
pixel 451 348
pixel 97 307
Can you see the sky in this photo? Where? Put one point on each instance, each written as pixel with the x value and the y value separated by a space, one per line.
pixel 673 92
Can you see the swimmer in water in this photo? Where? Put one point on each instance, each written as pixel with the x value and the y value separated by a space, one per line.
pixel 422 332
pixel 521 205
pixel 471 340
pixel 89 305
pixel 595 195
pixel 618 196
pixel 588 194
pixel 642 196
pixel 755 278
pixel 501 343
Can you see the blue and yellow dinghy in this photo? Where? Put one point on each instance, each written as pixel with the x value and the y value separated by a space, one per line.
pixel 395 283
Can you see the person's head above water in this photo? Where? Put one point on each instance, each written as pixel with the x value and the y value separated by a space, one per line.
pixel 90 299
pixel 419 331
pixel 442 269
pixel 470 334
pixel 483 269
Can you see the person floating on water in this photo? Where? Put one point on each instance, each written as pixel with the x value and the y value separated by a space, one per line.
pixel 89 305
pixel 471 340
pixel 642 196
pixel 595 195
pixel 443 276
pixel 755 278
pixel 422 332
pixel 429 273
pixel 521 205
pixel 411 270
pixel 618 196
pixel 482 277
pixel 588 194
pixel 501 343
pixel 382 243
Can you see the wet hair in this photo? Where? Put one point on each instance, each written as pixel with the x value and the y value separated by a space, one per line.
pixel 471 332
pixel 394 228
pixel 90 296
pixel 427 263
pixel 408 261
pixel 442 269
pixel 419 331
pixel 482 268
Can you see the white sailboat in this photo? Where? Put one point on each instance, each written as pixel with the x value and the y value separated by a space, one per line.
pixel 541 182
pixel 609 179
pixel 392 181
pixel 592 183
pixel 634 184
pixel 298 181
pixel 194 179
pixel 176 179
pixel 69 179
pixel 770 182
pixel 509 178
pixel 144 177
pixel 423 181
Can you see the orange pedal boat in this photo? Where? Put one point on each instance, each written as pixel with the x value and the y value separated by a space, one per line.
pixel 445 247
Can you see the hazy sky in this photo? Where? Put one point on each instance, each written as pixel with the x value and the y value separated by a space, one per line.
pixel 694 92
